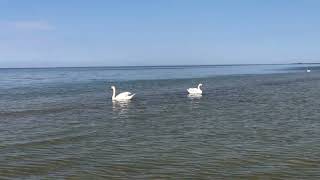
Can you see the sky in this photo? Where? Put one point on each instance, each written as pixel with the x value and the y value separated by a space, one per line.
pixel 43 33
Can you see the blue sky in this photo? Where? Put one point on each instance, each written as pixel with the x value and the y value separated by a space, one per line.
pixel 38 33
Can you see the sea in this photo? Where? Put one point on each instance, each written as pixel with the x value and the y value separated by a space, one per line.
pixel 251 122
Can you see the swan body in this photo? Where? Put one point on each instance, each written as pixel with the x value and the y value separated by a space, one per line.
pixel 195 90
pixel 194 96
pixel 308 70
pixel 121 96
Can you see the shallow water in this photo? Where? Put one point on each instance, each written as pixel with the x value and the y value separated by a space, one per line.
pixel 61 123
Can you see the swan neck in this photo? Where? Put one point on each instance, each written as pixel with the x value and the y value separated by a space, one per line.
pixel 113 93
pixel 199 86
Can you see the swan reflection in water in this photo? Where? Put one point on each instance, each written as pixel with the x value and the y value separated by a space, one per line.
pixel 121 107
pixel 195 100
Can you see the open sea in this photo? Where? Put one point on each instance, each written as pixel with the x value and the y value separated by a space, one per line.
pixel 252 122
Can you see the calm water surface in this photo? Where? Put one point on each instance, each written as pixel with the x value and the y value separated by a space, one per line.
pixel 251 122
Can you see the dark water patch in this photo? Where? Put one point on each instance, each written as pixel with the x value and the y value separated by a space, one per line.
pixel 36 169
pixel 25 113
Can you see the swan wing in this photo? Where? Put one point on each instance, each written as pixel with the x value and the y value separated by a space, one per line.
pixel 123 95
pixel 194 90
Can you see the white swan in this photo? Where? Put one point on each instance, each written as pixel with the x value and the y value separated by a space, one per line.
pixel 121 96
pixel 195 90
pixel 308 70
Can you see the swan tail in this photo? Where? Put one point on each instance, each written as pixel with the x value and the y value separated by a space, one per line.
pixel 132 96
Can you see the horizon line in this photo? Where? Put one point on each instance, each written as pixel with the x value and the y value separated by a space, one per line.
pixel 195 65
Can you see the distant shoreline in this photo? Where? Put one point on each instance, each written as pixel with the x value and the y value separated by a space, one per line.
pixel 305 63
pixel 153 66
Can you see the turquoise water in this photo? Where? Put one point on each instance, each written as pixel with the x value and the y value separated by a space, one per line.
pixel 257 121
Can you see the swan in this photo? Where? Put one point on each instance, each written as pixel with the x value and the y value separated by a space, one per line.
pixel 121 96
pixel 308 70
pixel 195 90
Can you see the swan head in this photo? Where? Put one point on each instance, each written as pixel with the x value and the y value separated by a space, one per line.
pixel 200 85
pixel 113 87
